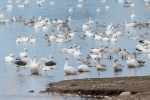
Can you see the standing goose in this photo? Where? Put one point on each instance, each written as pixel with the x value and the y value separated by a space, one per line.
pixel 117 67
pixel 139 61
pixel 69 69
pixel 131 62
pixel 100 66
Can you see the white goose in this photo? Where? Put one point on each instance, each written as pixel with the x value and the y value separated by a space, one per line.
pixel 107 7
pixel 32 40
pixel 93 56
pixel 83 68
pixel 9 58
pixel 98 9
pixel 70 10
pixel 23 54
pixel 117 67
pixel 77 53
pixel 19 39
pixel 89 33
pixel 52 3
pixel 148 55
pixel 130 24
pixel 69 69
pixel 91 21
pixel 132 62
pixel 71 50
pixel 98 65
pixel 133 15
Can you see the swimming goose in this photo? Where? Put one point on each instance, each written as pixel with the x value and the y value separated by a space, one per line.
pixel 85 62
pixel 89 33
pixel 69 69
pixel 19 39
pixel 139 61
pixel 127 34
pixel 131 62
pixel 113 39
pixel 96 50
pixel 109 56
pixel 143 35
pixel 32 40
pixel 100 25
pixel 85 26
pixel 23 54
pixel 106 38
pixel 46 36
pixel 83 68
pixel 70 10
pixel 20 62
pixel 107 7
pixel 45 27
pixel 115 50
pixel 83 37
pixel 93 56
pixel 77 52
pixel 97 37
pixel 120 1
pixel 133 15
pixel 65 49
pixel 99 66
pixel 52 3
pixel 49 63
pixel 91 21
pixel 117 67
pixel 59 21
pixel 1 16
pixel 79 5
pixel 9 58
pixel 48 42
pixel 69 19
pixel 98 9
pixel 71 50
pixel 130 24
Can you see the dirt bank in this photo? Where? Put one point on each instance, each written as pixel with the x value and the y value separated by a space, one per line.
pixel 102 86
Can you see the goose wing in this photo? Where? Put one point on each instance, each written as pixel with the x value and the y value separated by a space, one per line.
pixel 41 62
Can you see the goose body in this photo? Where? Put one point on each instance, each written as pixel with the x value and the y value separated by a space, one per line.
pixel 9 58
pixel 32 40
pixel 69 70
pixel 98 10
pixel 132 62
pixel 100 66
pixel 70 10
pixel 117 67
pixel 77 53
pixel 133 15
pixel 23 54
pixel 130 24
pixel 19 39
pixel 83 68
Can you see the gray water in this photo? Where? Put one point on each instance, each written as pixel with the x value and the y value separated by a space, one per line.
pixel 16 84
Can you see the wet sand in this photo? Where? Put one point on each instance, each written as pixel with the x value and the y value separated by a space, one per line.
pixel 139 87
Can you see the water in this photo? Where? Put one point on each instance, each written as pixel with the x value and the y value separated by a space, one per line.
pixel 16 84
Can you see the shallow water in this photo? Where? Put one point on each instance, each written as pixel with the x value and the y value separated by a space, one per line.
pixel 16 84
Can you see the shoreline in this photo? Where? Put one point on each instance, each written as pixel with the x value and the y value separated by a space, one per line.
pixel 95 87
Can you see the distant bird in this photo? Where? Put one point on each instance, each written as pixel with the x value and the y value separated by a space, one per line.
pixel 117 67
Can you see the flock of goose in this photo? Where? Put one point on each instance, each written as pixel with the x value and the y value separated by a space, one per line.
pixel 67 34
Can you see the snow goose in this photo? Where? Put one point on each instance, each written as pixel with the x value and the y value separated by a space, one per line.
pixel 2 16
pixel 48 42
pixel 59 39
pixel 52 3
pixel 89 33
pixel 77 52
pixel 69 18
pixel 85 62
pixel 71 50
pixel 98 9
pixel 139 61
pixel 106 38
pixel 23 54
pixel 107 7
pixel 69 69
pixel 131 62
pixel 20 62
pixel 93 55
pixel 9 58
pixel 45 27
pixel 83 68
pixel 113 39
pixel 133 15
pixel 79 5
pixel 49 63
pixel 130 24
pixel 91 21
pixel 97 37
pixel 46 36
pixel 109 56
pixel 99 66
pixel 120 1
pixel 96 50
pixel 85 26
pixel 19 39
pixel 70 10
pixel 59 21
pixel 100 25
pixel 32 40
pixel 127 34
pixel 117 67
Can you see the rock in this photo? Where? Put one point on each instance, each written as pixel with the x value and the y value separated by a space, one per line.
pixel 128 93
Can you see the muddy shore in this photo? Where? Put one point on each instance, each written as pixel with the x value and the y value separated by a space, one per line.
pixel 139 87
